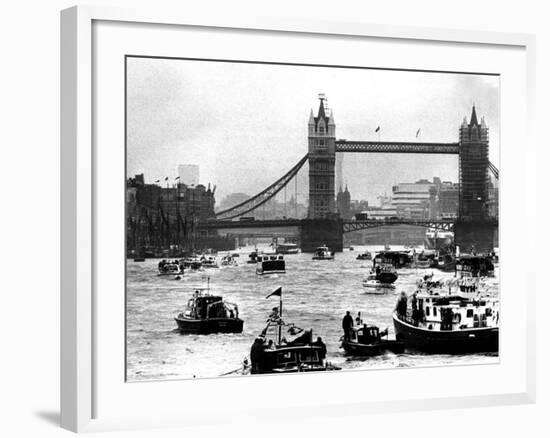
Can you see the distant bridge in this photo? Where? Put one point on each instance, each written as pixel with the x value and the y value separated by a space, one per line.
pixel 291 227
pixel 287 228
pixel 442 225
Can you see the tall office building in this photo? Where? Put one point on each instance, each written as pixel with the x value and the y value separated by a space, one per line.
pixel 189 174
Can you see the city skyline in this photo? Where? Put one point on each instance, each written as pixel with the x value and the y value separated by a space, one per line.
pixel 247 127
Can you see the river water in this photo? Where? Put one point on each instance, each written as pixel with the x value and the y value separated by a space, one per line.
pixel 316 295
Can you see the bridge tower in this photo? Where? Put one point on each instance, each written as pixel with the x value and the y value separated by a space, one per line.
pixel 322 158
pixel 474 228
pixel 474 168
pixel 323 226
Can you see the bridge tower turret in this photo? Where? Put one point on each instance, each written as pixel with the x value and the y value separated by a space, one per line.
pixel 322 158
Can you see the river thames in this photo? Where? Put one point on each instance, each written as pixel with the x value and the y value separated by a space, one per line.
pixel 316 295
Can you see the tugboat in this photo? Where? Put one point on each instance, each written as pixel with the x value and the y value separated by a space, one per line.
pixel 368 340
pixel 206 313
pixel 272 353
pixel 364 256
pixel 454 322
pixel 170 267
pixel 323 253
pixel 270 264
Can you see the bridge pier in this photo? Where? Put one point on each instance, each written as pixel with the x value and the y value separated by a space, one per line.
pixel 319 232
pixel 478 234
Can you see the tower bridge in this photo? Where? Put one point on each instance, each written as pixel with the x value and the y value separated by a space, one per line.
pixel 473 227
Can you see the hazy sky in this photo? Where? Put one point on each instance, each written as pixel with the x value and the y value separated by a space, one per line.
pixel 245 125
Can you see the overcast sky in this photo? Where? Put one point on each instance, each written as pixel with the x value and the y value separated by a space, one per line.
pixel 245 125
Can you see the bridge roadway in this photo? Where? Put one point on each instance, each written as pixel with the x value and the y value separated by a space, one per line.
pixel 288 227
pixel 400 147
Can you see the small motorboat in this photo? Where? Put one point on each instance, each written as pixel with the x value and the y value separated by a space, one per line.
pixel 170 267
pixel 287 248
pixel 206 313
pixel 375 286
pixel 475 265
pixel 193 263
pixel 368 340
pixel 229 260
pixel 421 261
pixel 273 353
pixel 270 264
pixel 322 253
pixel 367 255
pixel 385 272
pixel 209 261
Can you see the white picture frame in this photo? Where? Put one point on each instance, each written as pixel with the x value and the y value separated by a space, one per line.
pixel 80 369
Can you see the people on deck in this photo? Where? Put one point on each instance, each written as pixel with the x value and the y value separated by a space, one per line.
pixel 401 306
pixel 323 352
pixel 255 354
pixel 347 325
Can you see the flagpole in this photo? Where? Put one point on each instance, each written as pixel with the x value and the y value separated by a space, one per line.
pixel 280 314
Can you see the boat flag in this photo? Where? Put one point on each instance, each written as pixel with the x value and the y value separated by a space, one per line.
pixel 277 293
pixel 377 129
pixel 177 177
pixel 158 180
pixel 418 133
pixel 166 179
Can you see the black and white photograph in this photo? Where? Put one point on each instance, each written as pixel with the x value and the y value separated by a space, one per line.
pixel 288 218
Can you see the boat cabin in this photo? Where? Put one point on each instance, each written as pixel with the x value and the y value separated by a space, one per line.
pixel 366 334
pixel 209 306
pixel 456 312
pixel 270 264
pixel 399 259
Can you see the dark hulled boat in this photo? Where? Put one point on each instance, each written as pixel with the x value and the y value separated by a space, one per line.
pixel 449 323
pixel 399 259
pixel 270 264
pixel 364 256
pixel 475 265
pixel 368 340
pixel 272 353
pixel 452 341
pixel 205 314
pixel 384 270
